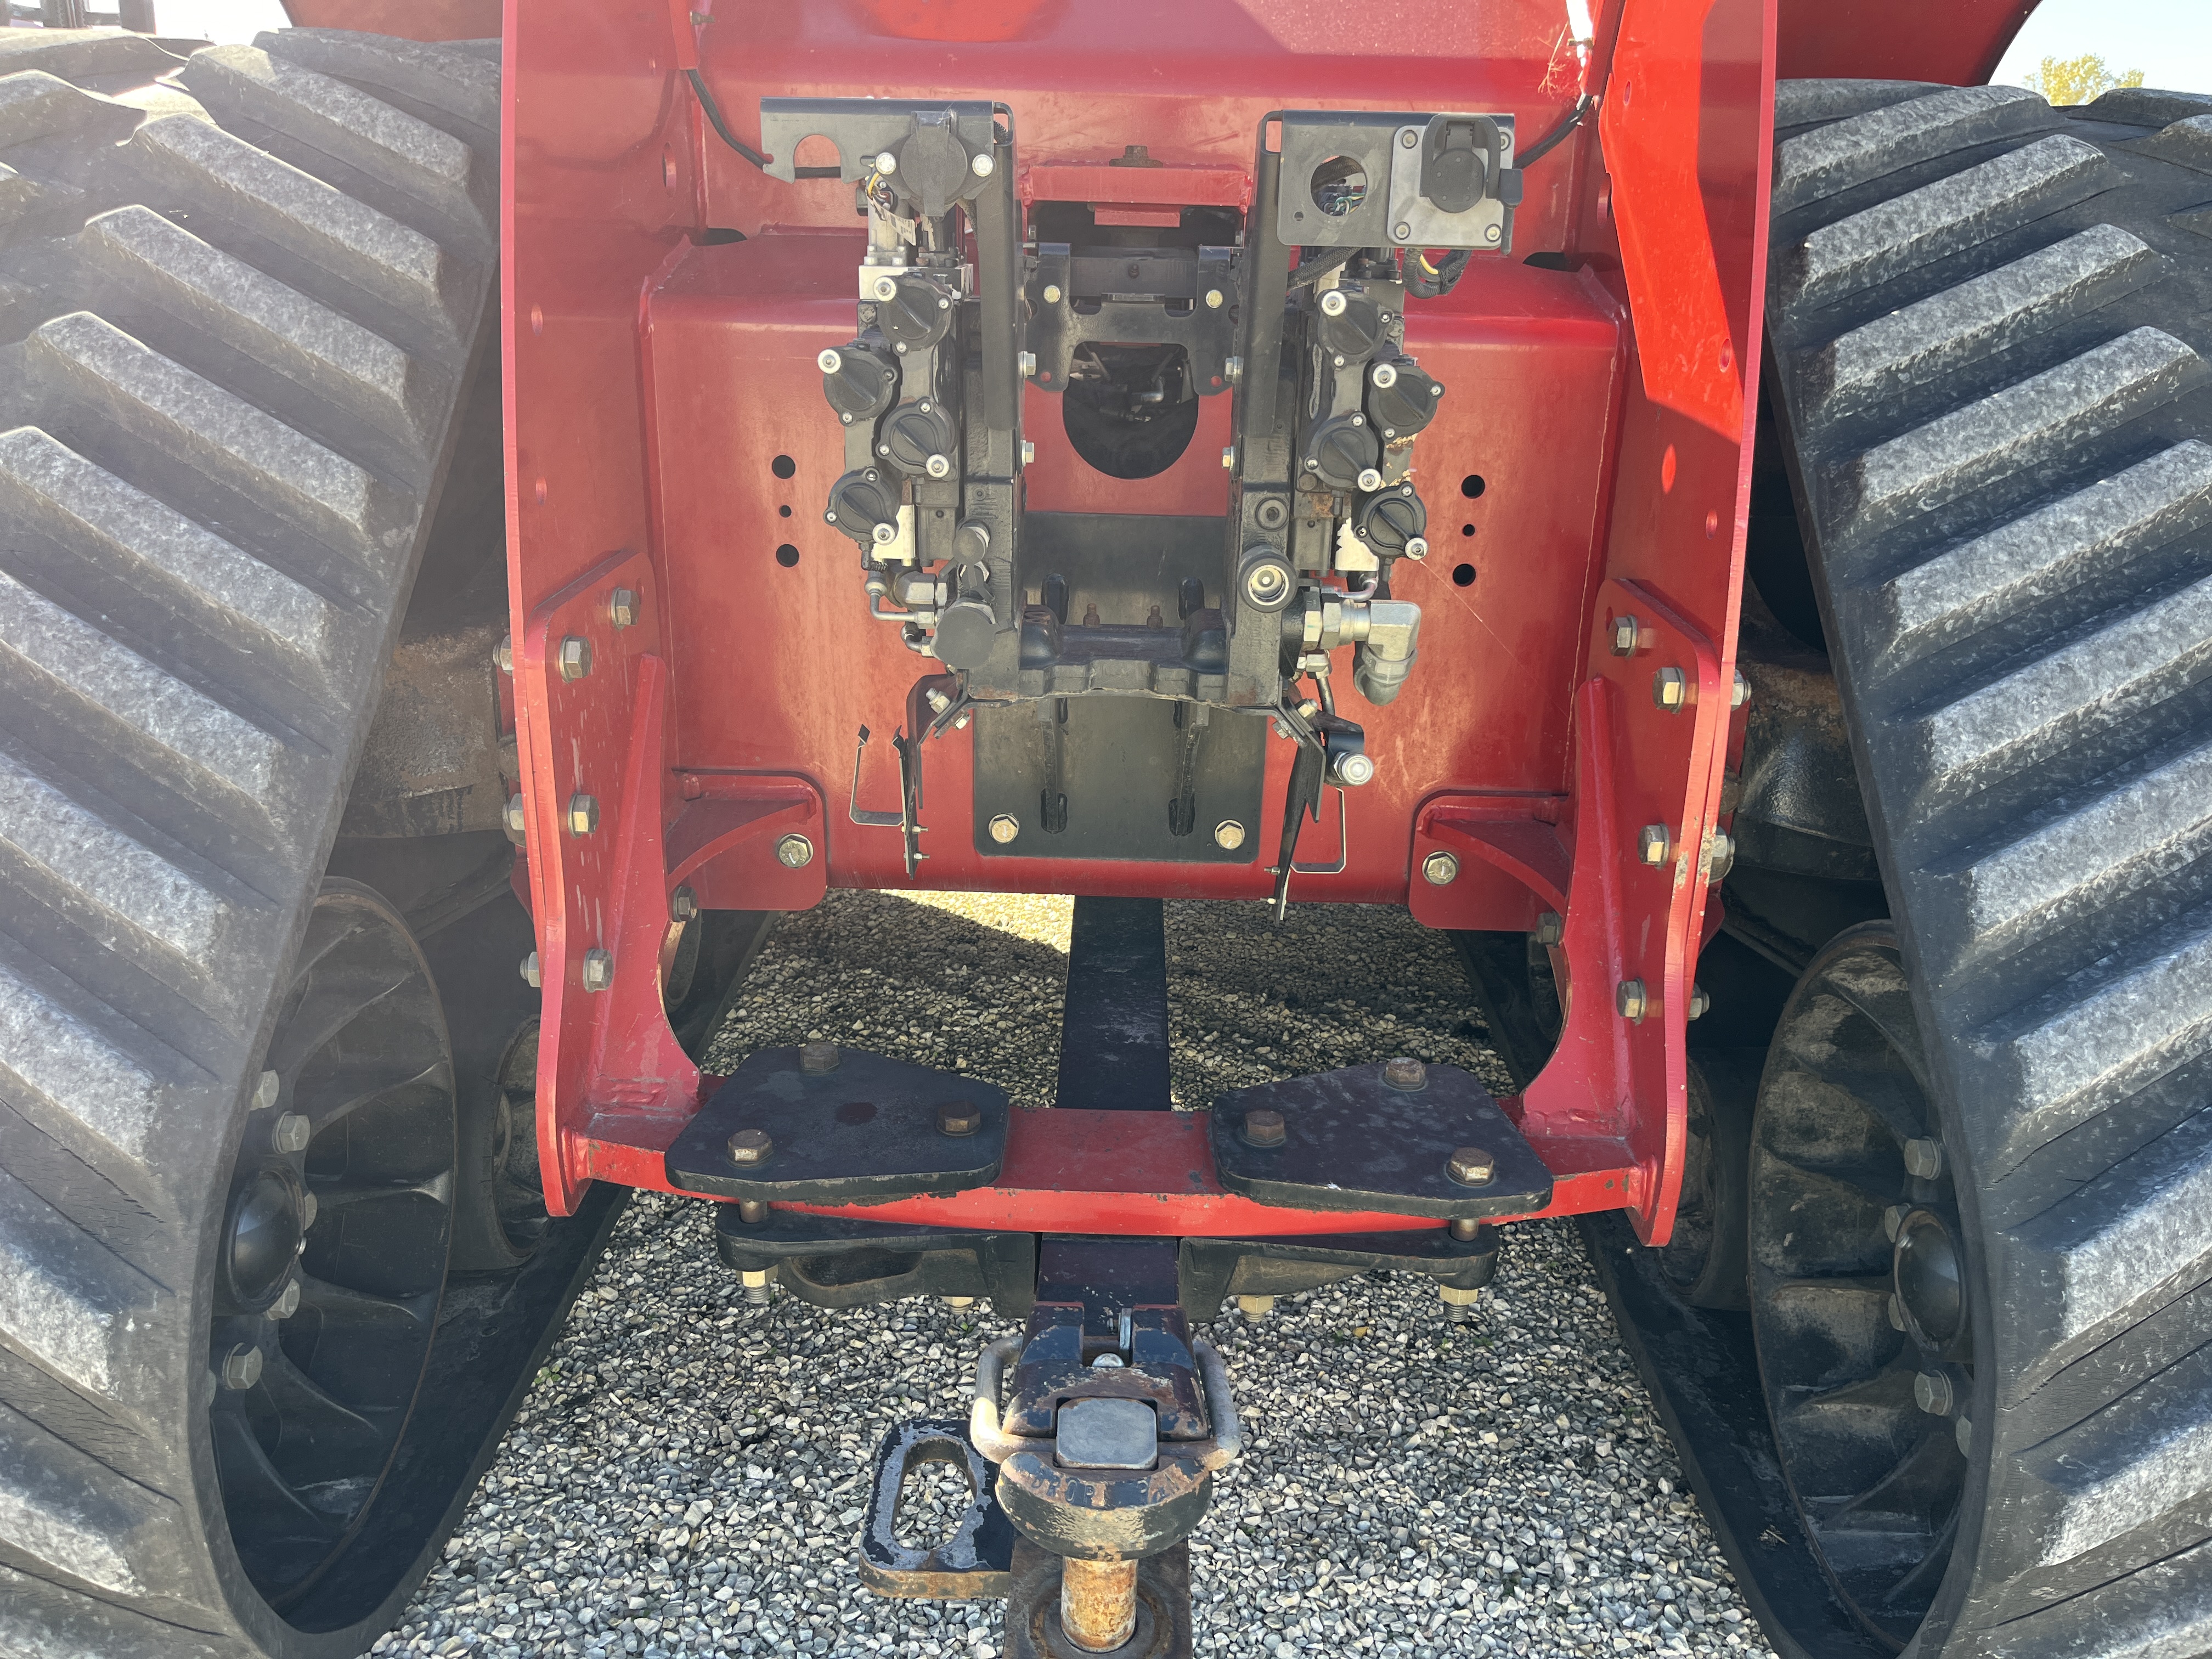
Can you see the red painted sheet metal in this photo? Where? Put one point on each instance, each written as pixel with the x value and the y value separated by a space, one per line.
pixel 1956 41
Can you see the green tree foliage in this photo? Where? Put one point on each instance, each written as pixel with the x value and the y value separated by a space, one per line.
pixel 2078 80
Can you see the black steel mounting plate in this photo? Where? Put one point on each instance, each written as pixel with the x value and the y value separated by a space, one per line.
pixel 865 1131
pixel 1352 1142
pixel 976 1560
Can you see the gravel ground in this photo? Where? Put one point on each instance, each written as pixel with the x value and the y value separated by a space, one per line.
pixel 686 1476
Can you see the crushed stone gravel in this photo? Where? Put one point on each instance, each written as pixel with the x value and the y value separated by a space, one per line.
pixel 686 1476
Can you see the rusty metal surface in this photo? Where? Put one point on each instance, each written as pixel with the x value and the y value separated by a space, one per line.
pixel 1163 1623
pixel 974 1561
pixel 432 766
pixel 1098 1603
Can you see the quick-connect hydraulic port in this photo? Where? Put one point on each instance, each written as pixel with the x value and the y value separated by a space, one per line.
pixel 864 504
pixel 858 380
pixel 1402 397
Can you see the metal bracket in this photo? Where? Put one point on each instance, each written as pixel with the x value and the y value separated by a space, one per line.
pixel 908 820
pixel 976 1560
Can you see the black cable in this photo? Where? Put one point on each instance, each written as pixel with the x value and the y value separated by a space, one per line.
pixel 1551 140
pixel 722 130
pixel 1328 262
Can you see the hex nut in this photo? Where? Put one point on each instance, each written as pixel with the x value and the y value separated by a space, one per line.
pixel 241 1367
pixel 1472 1166
pixel 1896 1313
pixel 1931 1392
pixel 819 1059
pixel 1264 1126
pixel 958 1118
pixel 308 1206
pixel 1655 845
pixel 1699 1003
pixel 1440 869
pixel 1670 689
pixel 1627 635
pixel 1720 854
pixel 1229 456
pixel 622 607
pixel 1923 1157
pixel 795 852
pixel 1457 1296
pixel 502 654
pixel 1893 1219
pixel 599 969
pixel 517 820
pixel 1255 1307
pixel 748 1147
pixel 1630 1000
pixel 583 814
pixel 287 1303
pixel 531 973
pixel 1404 1072
pixel 682 905
pixel 1739 692
pixel 1004 826
pixel 1551 928
pixel 290 1133
pixel 1229 834
pixel 1962 1435
pixel 575 657
pixel 266 1088
pixel 1028 452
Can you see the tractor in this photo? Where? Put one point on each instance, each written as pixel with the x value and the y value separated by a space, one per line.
pixel 1708 503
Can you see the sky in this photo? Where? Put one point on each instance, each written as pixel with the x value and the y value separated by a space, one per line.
pixel 2169 40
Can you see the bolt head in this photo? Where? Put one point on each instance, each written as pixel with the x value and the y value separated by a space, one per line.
pixel 290 1133
pixel 1472 1166
pixel 1896 1313
pixel 1028 365
pixel 830 360
pixel 1670 689
pixel 1233 369
pixel 1264 1126
pixel 958 1118
pixel 622 607
pixel 682 905
pixel 1229 456
pixel 1229 834
pixel 884 534
pixel 583 815
pixel 599 969
pixel 1255 1307
pixel 1004 826
pixel 1404 1072
pixel 1962 1435
pixel 1739 692
pixel 1893 1218
pixel 1384 375
pixel 1369 479
pixel 795 852
pixel 1700 1001
pixel 1631 1001
pixel 575 657
pixel 1356 769
pixel 1923 1157
pixel 819 1059
pixel 530 971
pixel 1551 928
pixel 1440 869
pixel 1408 138
pixel 503 655
pixel 1931 1392
pixel 1491 233
pixel 1654 845
pixel 308 1206
pixel 1625 629
pixel 1213 299
pixel 1333 302
pixel 1052 293
pixel 287 1303
pixel 1402 232
pixel 983 166
pixel 241 1367
pixel 750 1147
pixel 938 466
pixel 1029 453
pixel 517 820
pixel 266 1088
pixel 886 163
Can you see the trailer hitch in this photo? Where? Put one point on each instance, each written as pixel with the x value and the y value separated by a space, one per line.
pixel 1087 1478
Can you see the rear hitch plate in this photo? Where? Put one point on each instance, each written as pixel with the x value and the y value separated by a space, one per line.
pixel 865 1130
pixel 1351 1141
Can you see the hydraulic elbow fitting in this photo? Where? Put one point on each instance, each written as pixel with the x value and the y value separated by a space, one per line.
pixel 1384 656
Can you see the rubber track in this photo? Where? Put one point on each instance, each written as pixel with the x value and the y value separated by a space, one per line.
pixel 1989 323
pixel 235 311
